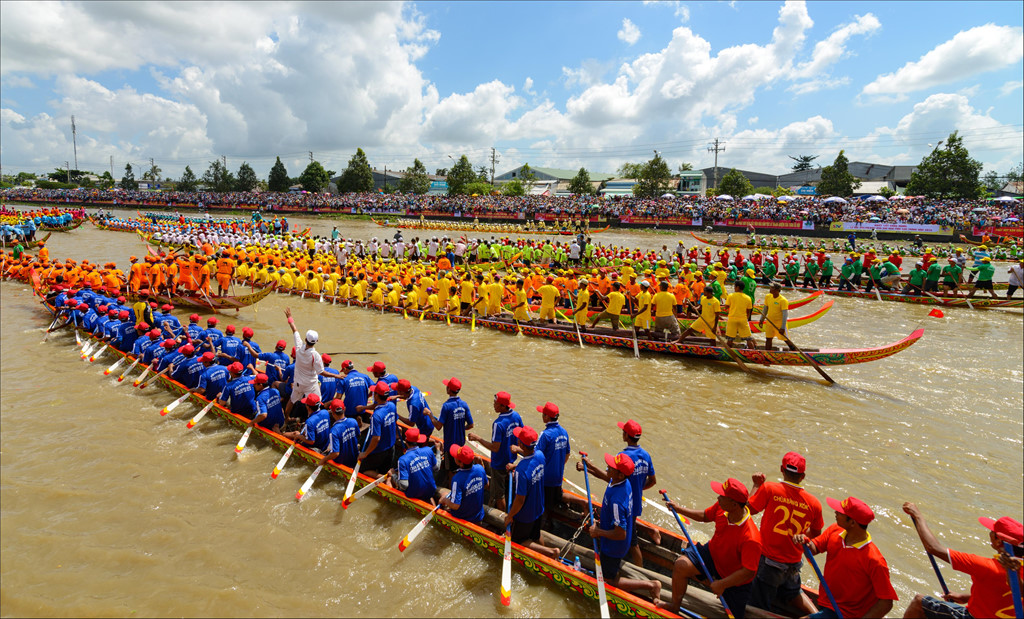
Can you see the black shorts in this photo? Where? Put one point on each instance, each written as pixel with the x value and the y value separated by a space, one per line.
pixel 983 285
pixel 610 566
pixel 523 532
pixel 499 487
pixel 552 499
pixel 379 461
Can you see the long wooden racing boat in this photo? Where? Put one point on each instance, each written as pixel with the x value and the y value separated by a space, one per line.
pixel 210 302
pixel 964 239
pixel 975 303
pixel 658 557
pixel 700 348
pixel 455 227
pixel 35 243
pixel 68 228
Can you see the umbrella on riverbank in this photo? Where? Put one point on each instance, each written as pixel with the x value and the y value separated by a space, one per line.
pixel 724 196
pixel 834 200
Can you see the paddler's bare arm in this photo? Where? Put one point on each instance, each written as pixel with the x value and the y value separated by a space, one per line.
pixel 697 515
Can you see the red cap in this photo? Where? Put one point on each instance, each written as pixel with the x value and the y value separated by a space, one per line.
pixel 378 366
pixel 504 398
pixel 155 333
pixel 207 356
pixel 236 368
pixel 412 435
pixel 246 332
pixel 153 304
pixel 732 488
pixel 212 320
pixel 112 313
pixel 121 299
pixel 230 329
pixel 168 344
pixel 259 379
pixel 194 317
pixel 141 326
pixel 281 344
pixel 188 349
pixel 326 358
pixel 336 404
pixel 621 463
pixel 403 386
pixel 549 409
pixel 794 463
pixel 101 308
pixel 83 306
pixel 525 435
pixel 631 428
pixel 454 383
pixel 1006 529
pixel 381 388
pixel 166 307
pixel 311 399
pixel 462 454
pixel 854 508
pixel 346 364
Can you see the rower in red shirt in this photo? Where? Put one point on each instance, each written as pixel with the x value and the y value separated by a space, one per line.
pixel 732 555
pixel 855 570
pixel 990 594
pixel 821 255
pixel 757 259
pixel 788 509
pixel 869 257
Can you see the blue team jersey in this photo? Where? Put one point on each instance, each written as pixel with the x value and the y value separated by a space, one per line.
pixel 617 511
pixel 385 425
pixel 554 442
pixel 329 385
pixel 246 357
pixel 644 468
pixel 455 416
pixel 169 358
pixel 140 345
pixel 344 440
pixel 417 467
pixel 268 402
pixel 242 397
pixel 468 493
pixel 418 407
pixel 318 429
pixel 187 371
pixel 529 482
pixel 502 433
pixel 194 331
pixel 276 363
pixel 214 336
pixel 125 336
pixel 230 345
pixel 213 380
pixel 356 387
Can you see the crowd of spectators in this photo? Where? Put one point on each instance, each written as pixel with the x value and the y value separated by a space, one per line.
pixel 912 210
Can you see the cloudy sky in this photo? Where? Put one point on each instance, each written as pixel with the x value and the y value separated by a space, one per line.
pixel 552 84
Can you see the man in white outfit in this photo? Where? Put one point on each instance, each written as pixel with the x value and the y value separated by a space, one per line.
pixel 308 364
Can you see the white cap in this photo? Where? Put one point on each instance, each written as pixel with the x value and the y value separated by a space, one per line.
pixel 312 336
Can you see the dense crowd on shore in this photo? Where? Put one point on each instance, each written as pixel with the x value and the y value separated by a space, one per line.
pixel 917 210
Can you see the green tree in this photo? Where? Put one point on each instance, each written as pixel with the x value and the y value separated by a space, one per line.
pixel 735 184
pixel 482 174
pixel 886 192
pixel 630 170
pixel 415 179
pixel 441 172
pixel 278 179
pixel 357 177
pixel 803 162
pixel 513 187
pixel 128 182
pixel 218 178
pixel 479 188
pixel 947 172
pixel 685 166
pixel 188 181
pixel 655 178
pixel 836 179
pixel 152 174
pixel 460 176
pixel 782 191
pixel 1016 173
pixel 314 178
pixel 247 179
pixel 580 184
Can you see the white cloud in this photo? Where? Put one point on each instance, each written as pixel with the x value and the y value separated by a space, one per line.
pixel 968 53
pixel 680 10
pixel 528 86
pixel 629 32
pixel 829 51
pixel 752 120
pixel 815 85
pixel 18 81
pixel 1009 87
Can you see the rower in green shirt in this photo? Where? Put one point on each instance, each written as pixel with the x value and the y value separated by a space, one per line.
pixel 985 271
pixel 874 276
pixel 749 284
pixel 792 273
pixel 915 285
pixel 931 283
pixel 810 270
pixel 951 278
pixel 890 275
pixel 846 274
pixel 827 269
pixel 768 270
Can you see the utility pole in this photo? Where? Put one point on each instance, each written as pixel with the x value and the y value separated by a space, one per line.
pixel 152 165
pixel 74 139
pixel 224 158
pixel 716 149
pixel 494 159
pixel 67 168
pixel 311 156
pixel 111 166
pixel 385 178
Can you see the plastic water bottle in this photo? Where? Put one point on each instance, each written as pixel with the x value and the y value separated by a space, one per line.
pixel 576 564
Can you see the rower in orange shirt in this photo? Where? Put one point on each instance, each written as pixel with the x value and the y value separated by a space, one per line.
pixel 137 269
pixel 225 269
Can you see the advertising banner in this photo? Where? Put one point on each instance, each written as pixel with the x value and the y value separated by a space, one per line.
pixel 661 221
pixel 881 226
pixel 997 231
pixel 553 217
pixel 763 223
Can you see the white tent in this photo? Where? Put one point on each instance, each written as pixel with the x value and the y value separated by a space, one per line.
pixel 668 195
pixel 787 198
pixel 875 199
pixel 724 196
pixel 1004 199
pixel 834 200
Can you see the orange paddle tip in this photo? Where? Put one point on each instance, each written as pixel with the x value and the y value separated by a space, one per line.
pixel 402 545
pixel 275 474
pixel 345 504
pixel 190 425
pixel 299 495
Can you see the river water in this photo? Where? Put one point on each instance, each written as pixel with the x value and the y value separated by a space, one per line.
pixel 110 509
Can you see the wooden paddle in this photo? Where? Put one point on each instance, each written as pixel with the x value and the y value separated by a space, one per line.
pixel 355 473
pixel 155 376
pixel 422 524
pixel 113 367
pixel 192 422
pixel 364 490
pixel 129 370
pixel 173 405
pixel 308 483
pixel 284 460
pixel 602 597
pixel 721 340
pixel 809 358
pixel 506 561
pixel 242 441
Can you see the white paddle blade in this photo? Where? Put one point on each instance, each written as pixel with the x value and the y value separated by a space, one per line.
pixel 173 405
pixel 351 484
pixel 145 372
pixel 282 462
pixel 506 572
pixel 114 367
pixel 422 524
pixel 242 441
pixel 308 484
pixel 364 490
pixel 192 422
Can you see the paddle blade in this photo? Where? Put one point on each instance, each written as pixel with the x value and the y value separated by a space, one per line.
pixel 506 572
pixel 173 405
pixel 140 379
pixel 192 422
pixel 308 484
pixel 282 462
pixel 351 485
pixel 113 367
pixel 242 441
pixel 422 524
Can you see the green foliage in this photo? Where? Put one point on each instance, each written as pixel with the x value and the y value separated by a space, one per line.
pixel 441 172
pixel 655 178
pixel 768 191
pixel 188 181
pixel 106 180
pixel 247 180
pixel 152 174
pixel 278 179
pixel 357 177
pixel 61 175
pixel 685 166
pixel 782 191
pixel 218 178
pixel 1016 173
pixel 415 179
pixel 735 184
pixel 24 176
pixel 630 170
pixel 128 182
pixel 580 184
pixel 479 188
pixel 460 176
pixel 5 185
pixel 947 172
pixel 836 179
pixel 482 174
pixel 513 187
pixel 54 185
pixel 803 162
pixel 886 192
pixel 315 178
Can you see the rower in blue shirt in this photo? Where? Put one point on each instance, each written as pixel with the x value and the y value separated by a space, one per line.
pixel 126 335
pixel 528 491
pixel 250 351
pixel 315 433
pixel 455 418
pixel 420 414
pixel 188 371
pixel 379 372
pixel 414 474
pixel 277 361
pixel 142 345
pixel 554 444
pixel 500 445
pixel 614 530
pixel 229 347
pixel 356 388
pixel 211 336
pixel 194 330
pixel 269 413
pixel 343 443
pixel 171 356
pixel 329 380
pixel 165 315
pixel 213 379
pixel 240 393
pixel 379 452
pixel 469 483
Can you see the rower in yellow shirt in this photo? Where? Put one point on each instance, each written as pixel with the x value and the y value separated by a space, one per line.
pixel 613 310
pixel 776 310
pixel 433 305
pixel 495 293
pixel 740 308
pixel 642 317
pixel 664 311
pixel 377 296
pixel 707 322
pixel 548 297
pixel 521 310
pixel 579 311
